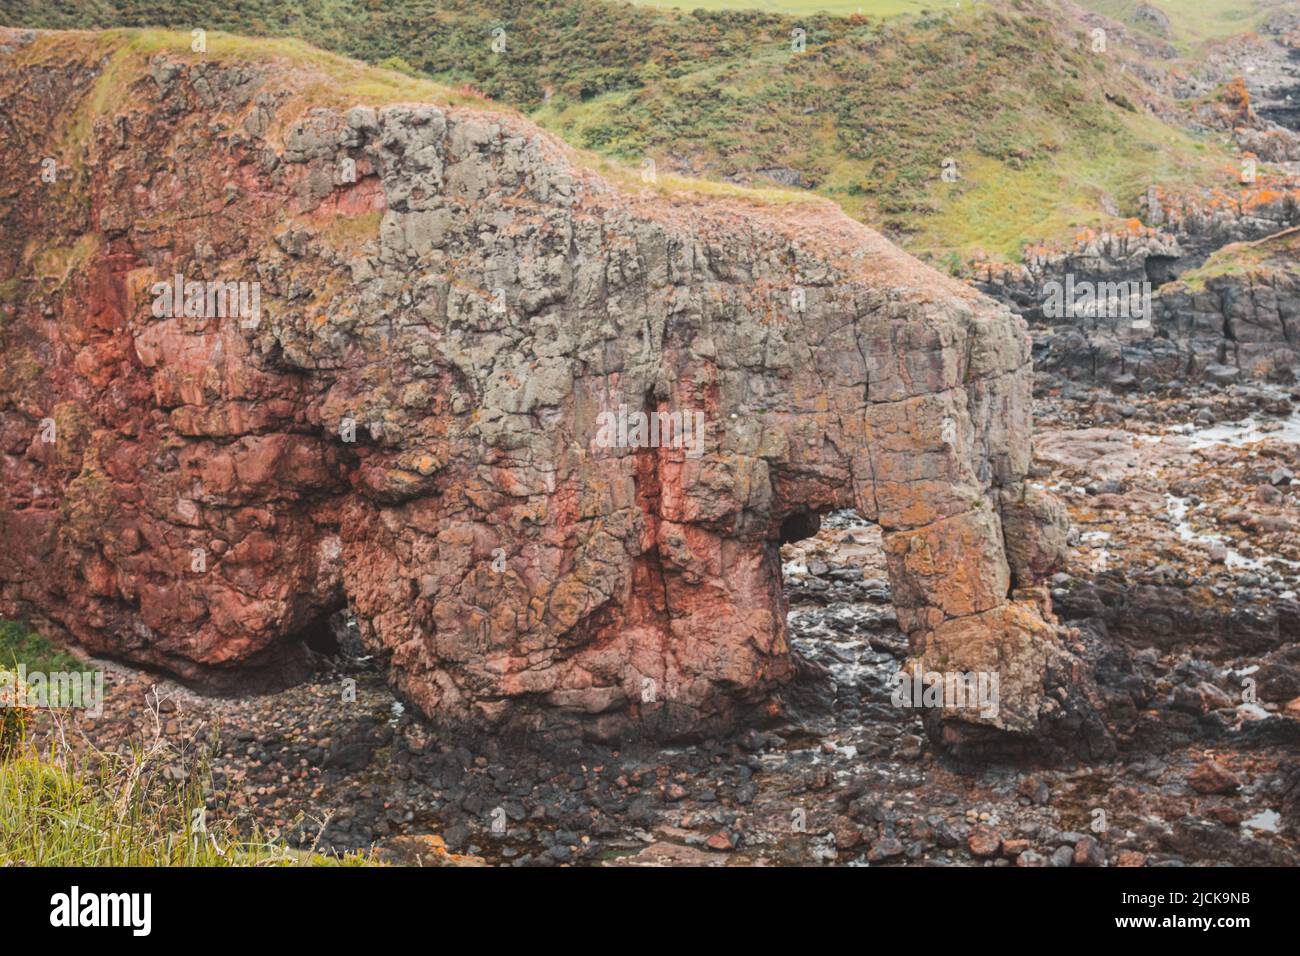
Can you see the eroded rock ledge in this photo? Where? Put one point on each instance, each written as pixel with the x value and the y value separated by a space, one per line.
pixel 454 282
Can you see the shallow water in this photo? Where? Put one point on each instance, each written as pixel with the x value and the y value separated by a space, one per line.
pixel 1236 434
pixel 1180 508
pixel 1267 820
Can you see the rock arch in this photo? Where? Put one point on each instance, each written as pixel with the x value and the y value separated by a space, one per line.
pixel 480 303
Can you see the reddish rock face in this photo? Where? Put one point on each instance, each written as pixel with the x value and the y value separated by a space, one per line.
pixel 432 415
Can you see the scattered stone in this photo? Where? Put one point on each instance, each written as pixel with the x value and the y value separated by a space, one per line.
pixel 984 841
pixel 847 836
pixel 720 841
pixel 1034 789
pixel 884 849
pixel 1089 852
pixel 1212 777
pixel 1013 848
pixel 1063 856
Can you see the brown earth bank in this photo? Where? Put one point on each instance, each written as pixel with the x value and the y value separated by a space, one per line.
pixel 411 421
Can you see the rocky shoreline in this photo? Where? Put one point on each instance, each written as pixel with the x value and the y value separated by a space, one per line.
pixel 393 487
pixel 1179 595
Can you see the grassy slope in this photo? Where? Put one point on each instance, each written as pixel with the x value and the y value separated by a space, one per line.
pixel 330 80
pixel 870 8
pixel 21 645
pixel 870 116
pixel 1193 22
pixel 866 115
pixel 129 808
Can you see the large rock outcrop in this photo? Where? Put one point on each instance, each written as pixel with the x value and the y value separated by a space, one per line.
pixel 448 288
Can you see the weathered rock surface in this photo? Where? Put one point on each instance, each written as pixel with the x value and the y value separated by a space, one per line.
pixel 449 286
pixel 1239 309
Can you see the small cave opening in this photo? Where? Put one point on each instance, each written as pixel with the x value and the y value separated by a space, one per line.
pixel 321 636
pixel 328 643
pixel 800 526
pixel 311 650
pixel 1161 270
pixel 840 621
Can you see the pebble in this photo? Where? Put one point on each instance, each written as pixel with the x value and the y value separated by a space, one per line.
pixel 984 842
pixel 1063 856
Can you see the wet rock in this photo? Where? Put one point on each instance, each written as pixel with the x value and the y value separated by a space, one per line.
pixel 884 849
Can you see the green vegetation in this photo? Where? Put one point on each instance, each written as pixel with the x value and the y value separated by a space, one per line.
pixel 131 810
pixel 870 8
pixel 1000 208
pixel 22 646
pixel 1036 124
pixel 144 806
pixel 19 644
pixel 1045 134
pixel 1244 258
pixel 576 48
pixel 1191 23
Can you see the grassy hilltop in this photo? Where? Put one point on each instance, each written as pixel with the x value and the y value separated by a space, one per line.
pixel 1045 135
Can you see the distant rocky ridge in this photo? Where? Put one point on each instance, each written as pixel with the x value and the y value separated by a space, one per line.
pixel 1229 323
pixel 1233 324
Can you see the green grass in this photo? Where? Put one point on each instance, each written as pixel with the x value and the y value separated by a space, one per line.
pixel 19 644
pixel 1043 130
pixel 577 48
pixel 869 8
pixel 1193 22
pixel 121 812
pixel 995 209
pixel 141 806
pixel 867 117
pixel 1243 258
